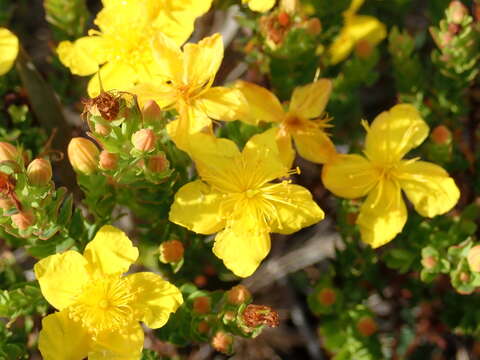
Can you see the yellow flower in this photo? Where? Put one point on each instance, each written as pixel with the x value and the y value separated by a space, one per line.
pixel 8 50
pixel 184 82
pixel 99 309
pixel 237 198
pixel 259 5
pixel 302 121
pixel 382 173
pixel 359 30
pixel 122 43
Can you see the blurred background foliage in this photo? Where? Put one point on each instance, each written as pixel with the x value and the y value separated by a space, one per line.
pixel 415 298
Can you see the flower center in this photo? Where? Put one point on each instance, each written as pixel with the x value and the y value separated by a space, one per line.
pixel 105 304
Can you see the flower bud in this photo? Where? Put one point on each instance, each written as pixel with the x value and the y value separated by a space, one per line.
pixel 327 296
pixel 202 305
pixel 200 281
pixel 429 262
pixel 256 315
pixel 363 49
pixel 457 11
pixel 151 112
pixel 229 316
pixel 464 277
pixel 473 258
pixel 107 160
pixel 222 342
pixel 144 140
pixel 441 135
pixel 314 26
pixel 171 251
pixel 283 19
pixel 8 152
pixel 39 172
pixel 103 130
pixel 238 295
pixel 6 203
pixel 158 163
pixel 83 155
pixel 367 326
pixel 23 220
pixel 203 327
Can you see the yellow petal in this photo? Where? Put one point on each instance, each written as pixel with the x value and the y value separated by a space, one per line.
pixel 395 132
pixel 215 159
pixel 163 95
pixel 382 215
pixel 157 298
pixel 115 76
pixel 243 244
pixel 353 8
pixel 202 60
pixel 61 277
pixel 168 58
pixel 8 50
pixel 63 339
pixel 349 176
pixel 263 105
pixel 285 146
pixel 341 47
pixel 428 186
pixel 110 252
pixel 259 5
pixel 263 160
pixel 309 101
pixel 295 208
pixel 124 345
pixel 197 207
pixel 83 56
pixel 314 145
pixel 221 103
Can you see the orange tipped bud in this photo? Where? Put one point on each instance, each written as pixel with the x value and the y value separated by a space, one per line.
pixel 229 316
pixel 457 11
pixel 23 220
pixel 8 152
pixel 107 160
pixel 222 342
pixel 103 130
pixel 367 326
pixel 202 305
pixel 158 163
pixel 238 295
pixel 363 49
pixel 203 327
pixel 83 155
pixel 441 135
pixel 473 258
pixel 283 19
pixel 429 262
pixel 464 277
pixel 171 251
pixel 144 140
pixel 39 172
pixel 327 297
pixel 151 112
pixel 314 26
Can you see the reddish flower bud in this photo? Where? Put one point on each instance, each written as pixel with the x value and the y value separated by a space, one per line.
pixel 314 26
pixel 151 112
pixel 23 219
pixel 441 135
pixel 144 140
pixel 429 262
pixel 203 327
pixel 327 296
pixel 8 152
pixel 107 160
pixel 256 315
pixel 464 277
pixel 283 19
pixel 238 295
pixel 171 251
pixel 473 258
pixel 158 163
pixel 83 155
pixel 202 305
pixel 39 172
pixel 363 49
pixel 367 326
pixel 222 342
pixel 458 11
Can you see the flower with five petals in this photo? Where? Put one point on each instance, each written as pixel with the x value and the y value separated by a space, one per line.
pixel 382 173
pixel 99 309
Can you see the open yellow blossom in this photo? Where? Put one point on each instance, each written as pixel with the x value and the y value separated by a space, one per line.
pixel 382 173
pixel 8 50
pixel 361 30
pixel 259 5
pixel 99 309
pixel 120 49
pixel 302 121
pixel 184 82
pixel 237 198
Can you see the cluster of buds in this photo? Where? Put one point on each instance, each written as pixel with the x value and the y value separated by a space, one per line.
pixel 130 140
pixel 459 41
pixel 27 194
